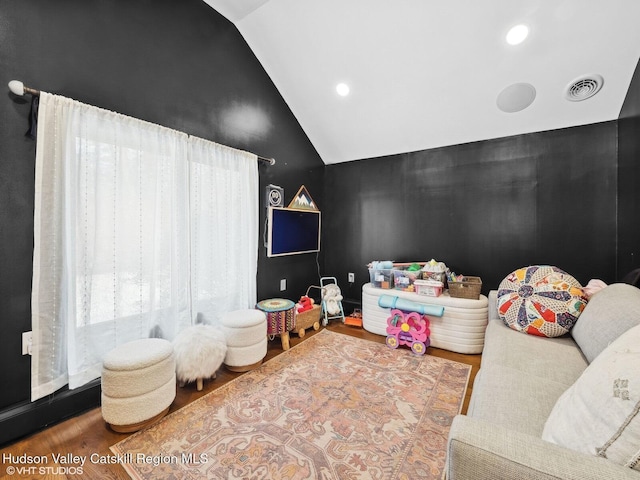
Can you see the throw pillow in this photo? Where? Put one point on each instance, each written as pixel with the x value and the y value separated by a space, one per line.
pixel 610 312
pixel 540 300
pixel 598 414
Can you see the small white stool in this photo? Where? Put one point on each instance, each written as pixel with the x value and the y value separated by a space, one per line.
pixel 138 384
pixel 246 334
pixel 199 352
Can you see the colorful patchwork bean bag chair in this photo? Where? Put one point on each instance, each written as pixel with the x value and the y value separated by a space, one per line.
pixel 540 300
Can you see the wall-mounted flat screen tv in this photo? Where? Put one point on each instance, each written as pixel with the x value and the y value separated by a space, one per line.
pixel 292 231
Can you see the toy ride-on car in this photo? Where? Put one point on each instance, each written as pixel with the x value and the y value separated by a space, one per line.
pixel 408 328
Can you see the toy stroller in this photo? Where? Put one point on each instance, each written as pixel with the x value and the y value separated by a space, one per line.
pixel 331 300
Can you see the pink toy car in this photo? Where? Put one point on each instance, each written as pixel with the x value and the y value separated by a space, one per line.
pixel 408 328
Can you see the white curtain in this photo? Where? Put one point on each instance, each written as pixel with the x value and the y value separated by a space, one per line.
pixel 224 229
pixel 113 236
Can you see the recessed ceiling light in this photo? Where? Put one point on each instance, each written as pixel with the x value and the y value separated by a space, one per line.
pixel 342 89
pixel 517 34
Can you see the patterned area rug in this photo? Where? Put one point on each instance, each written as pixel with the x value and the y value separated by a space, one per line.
pixel 333 407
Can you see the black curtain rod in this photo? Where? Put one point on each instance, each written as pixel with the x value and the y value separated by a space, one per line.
pixel 268 161
pixel 18 88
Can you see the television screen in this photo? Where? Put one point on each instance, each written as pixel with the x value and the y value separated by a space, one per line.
pixel 293 231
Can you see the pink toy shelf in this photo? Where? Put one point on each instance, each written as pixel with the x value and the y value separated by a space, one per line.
pixel 408 328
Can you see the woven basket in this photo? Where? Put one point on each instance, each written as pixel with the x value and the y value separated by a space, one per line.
pixel 469 287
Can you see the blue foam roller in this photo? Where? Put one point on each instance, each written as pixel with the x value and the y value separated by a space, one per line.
pixel 390 301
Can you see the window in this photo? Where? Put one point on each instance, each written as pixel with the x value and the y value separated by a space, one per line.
pixel 139 231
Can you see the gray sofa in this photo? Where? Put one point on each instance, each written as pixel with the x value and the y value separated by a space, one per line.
pixel 520 379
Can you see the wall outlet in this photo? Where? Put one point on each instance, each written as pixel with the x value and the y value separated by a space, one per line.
pixel 352 277
pixel 283 284
pixel 27 341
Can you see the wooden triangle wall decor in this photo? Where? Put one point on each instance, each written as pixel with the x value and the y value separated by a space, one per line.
pixel 303 201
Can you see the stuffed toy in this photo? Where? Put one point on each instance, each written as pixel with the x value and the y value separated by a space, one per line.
pixel 305 303
pixel 332 297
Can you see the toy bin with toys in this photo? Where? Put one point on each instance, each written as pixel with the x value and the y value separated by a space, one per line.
pixel 381 274
pixel 430 288
pixel 405 275
pixel 464 286
pixel 434 270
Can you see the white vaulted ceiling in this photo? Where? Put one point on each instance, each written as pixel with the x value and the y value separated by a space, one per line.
pixel 426 73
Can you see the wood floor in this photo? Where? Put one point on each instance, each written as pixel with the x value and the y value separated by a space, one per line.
pixel 87 433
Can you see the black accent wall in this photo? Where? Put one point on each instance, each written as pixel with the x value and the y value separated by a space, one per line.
pixel 629 179
pixel 176 63
pixel 484 208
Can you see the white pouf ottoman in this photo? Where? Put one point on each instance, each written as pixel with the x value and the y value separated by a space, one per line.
pixel 246 334
pixel 138 384
pixel 199 352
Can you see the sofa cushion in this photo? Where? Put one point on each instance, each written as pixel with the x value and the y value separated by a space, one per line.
pixel 556 359
pixel 503 396
pixel 519 380
pixel 540 300
pixel 609 313
pixel 599 413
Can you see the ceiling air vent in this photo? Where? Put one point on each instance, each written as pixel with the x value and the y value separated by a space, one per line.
pixel 584 87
